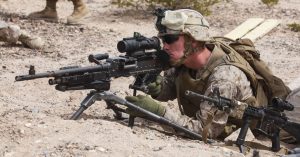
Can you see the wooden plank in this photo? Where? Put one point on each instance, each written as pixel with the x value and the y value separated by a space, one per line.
pixel 262 29
pixel 244 28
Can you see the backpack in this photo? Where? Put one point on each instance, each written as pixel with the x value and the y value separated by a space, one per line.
pixel 272 85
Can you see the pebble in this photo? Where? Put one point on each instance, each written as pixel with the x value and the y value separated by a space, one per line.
pixel 22 131
pixel 28 125
pixel 101 149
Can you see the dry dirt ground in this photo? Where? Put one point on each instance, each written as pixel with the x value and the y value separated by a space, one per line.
pixel 34 116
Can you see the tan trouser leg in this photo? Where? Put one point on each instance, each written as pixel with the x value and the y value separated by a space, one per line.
pixel 48 13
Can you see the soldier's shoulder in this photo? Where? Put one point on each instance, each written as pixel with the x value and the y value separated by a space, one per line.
pixel 228 71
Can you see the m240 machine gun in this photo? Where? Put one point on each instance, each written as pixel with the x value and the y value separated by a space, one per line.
pixel 142 59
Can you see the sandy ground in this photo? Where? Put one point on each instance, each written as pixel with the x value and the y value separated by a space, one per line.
pixel 34 116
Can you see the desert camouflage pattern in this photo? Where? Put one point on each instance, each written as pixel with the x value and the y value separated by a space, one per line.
pixel 186 21
pixel 232 84
pixel 11 34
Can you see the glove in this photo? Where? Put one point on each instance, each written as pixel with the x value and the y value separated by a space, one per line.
pixel 146 103
pixel 154 88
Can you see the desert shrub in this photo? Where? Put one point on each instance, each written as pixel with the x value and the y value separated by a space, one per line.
pixel 200 5
pixel 270 2
pixel 294 27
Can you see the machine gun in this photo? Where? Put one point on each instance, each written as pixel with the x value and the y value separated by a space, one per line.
pixel 144 66
pixel 143 59
pixel 270 119
pixel 137 61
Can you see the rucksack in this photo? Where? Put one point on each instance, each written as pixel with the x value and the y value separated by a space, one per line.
pixel 272 85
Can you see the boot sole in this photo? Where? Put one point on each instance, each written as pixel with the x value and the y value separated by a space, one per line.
pixel 44 18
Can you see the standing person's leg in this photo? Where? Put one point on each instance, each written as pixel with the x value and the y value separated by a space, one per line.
pixel 48 13
pixel 80 11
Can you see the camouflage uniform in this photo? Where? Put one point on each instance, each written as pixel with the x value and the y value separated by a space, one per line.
pixel 232 84
pixel 11 34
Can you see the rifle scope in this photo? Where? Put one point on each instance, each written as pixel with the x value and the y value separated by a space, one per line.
pixel 139 43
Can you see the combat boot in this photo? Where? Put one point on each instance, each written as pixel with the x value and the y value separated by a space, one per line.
pixel 49 13
pixel 80 11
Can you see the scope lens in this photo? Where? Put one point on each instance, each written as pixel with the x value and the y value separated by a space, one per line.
pixel 121 46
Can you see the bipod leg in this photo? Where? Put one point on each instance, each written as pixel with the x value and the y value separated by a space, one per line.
pixel 131 121
pixel 131 117
pixel 118 111
pixel 86 103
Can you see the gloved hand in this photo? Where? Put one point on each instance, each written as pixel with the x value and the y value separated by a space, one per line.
pixel 154 88
pixel 146 103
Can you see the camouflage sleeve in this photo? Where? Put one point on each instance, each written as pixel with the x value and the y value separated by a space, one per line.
pixel 168 89
pixel 12 33
pixel 9 33
pixel 232 84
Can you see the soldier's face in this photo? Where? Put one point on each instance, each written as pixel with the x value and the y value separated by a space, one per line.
pixel 174 46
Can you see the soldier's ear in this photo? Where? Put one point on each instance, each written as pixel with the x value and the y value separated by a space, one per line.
pixel 197 44
pixel 193 42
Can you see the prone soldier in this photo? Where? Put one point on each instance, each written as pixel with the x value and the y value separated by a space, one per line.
pixel 200 64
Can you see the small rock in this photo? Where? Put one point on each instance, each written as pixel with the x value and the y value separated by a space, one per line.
pixel 157 148
pixel 38 141
pixel 81 29
pixel 28 125
pixel 22 131
pixel 88 148
pixel 101 149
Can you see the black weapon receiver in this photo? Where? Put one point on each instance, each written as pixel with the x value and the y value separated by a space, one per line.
pixel 272 115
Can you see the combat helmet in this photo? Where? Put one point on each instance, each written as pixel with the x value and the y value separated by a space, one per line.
pixel 183 21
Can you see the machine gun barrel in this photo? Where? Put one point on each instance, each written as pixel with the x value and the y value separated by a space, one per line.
pixel 64 72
